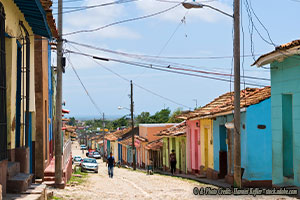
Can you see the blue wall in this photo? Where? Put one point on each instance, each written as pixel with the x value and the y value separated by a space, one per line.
pixel 256 151
pixel 259 142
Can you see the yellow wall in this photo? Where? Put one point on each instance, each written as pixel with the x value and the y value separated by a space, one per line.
pixel 206 127
pixel 13 16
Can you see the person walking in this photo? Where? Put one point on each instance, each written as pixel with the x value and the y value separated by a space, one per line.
pixel 173 162
pixel 111 163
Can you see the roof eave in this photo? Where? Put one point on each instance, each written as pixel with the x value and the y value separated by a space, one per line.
pixel 277 55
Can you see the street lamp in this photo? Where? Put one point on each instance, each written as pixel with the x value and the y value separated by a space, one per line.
pixel 121 107
pixel 237 114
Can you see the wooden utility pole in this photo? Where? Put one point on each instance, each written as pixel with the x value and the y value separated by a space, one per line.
pixel 132 126
pixel 103 125
pixel 237 109
pixel 58 122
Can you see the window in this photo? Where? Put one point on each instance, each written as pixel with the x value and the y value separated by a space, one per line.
pixel 3 117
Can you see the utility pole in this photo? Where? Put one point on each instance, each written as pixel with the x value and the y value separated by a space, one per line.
pixel 132 125
pixel 58 136
pixel 237 115
pixel 196 103
pixel 103 125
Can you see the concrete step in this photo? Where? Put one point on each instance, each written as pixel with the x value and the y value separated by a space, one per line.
pixel 52 184
pixel 22 197
pixel 49 178
pixel 19 183
pixel 13 168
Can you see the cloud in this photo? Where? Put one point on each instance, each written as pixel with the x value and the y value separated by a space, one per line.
pixel 97 17
pixel 204 14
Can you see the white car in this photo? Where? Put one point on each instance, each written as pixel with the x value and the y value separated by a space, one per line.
pixel 89 164
pixel 76 160
pixel 96 155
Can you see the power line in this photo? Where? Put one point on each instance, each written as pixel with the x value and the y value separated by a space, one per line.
pixel 157 68
pixel 80 8
pixel 174 65
pixel 139 86
pixel 86 91
pixel 123 21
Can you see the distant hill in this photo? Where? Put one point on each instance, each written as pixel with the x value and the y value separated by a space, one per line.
pixel 89 117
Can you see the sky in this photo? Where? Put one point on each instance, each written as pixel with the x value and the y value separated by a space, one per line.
pixel 178 32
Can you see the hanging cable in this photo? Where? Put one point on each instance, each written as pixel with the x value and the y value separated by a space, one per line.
pixel 137 85
pixel 86 91
pixel 123 21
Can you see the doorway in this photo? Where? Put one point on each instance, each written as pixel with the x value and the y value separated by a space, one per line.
pixel 223 151
pixel 206 148
pixel 287 133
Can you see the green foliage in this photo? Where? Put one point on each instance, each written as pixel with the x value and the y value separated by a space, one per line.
pixel 159 117
pixel 143 118
pixel 72 121
pixel 123 121
pixel 173 116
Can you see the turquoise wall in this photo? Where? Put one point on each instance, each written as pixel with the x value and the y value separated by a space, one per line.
pixel 216 141
pixel 259 142
pixel 285 79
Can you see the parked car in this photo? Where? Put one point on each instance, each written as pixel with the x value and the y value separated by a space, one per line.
pixel 76 160
pixel 89 155
pixel 83 147
pixel 89 164
pixel 96 155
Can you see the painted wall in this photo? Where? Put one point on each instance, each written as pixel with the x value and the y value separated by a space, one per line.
pixel 206 127
pixel 259 142
pixel 180 151
pixel 220 121
pixel 285 80
pixel 256 153
pixel 149 130
pixel 193 149
pixel 13 16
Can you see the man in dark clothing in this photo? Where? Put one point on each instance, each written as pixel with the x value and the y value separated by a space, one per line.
pixel 111 163
pixel 173 161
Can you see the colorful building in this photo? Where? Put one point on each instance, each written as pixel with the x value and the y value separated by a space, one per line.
pixel 17 67
pixel 256 153
pixel 174 138
pixel 285 108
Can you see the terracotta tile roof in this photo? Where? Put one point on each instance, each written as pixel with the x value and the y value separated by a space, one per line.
pixel 110 137
pixel 283 51
pixel 224 103
pixel 176 130
pixel 155 145
pixel 120 133
pixel 50 19
pixel 128 140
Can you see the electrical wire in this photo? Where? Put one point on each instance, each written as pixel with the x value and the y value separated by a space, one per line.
pixel 156 68
pixel 86 91
pixel 123 21
pixel 174 65
pixel 76 9
pixel 137 85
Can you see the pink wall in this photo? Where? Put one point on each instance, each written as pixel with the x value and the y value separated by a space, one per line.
pixel 193 146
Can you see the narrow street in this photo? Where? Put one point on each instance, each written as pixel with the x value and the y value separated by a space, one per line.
pixel 128 184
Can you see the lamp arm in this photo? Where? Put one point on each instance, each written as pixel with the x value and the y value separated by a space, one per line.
pixel 220 11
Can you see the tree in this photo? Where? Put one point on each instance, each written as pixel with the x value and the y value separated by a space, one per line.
pixel 144 117
pixel 173 116
pixel 161 116
pixel 121 122
pixel 72 121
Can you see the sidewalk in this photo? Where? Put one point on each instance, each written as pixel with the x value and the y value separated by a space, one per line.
pixel 218 183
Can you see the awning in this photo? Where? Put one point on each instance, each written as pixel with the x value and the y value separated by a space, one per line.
pixel 65 111
pixel 36 17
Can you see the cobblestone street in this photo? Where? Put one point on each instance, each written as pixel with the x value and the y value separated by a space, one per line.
pixel 128 184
